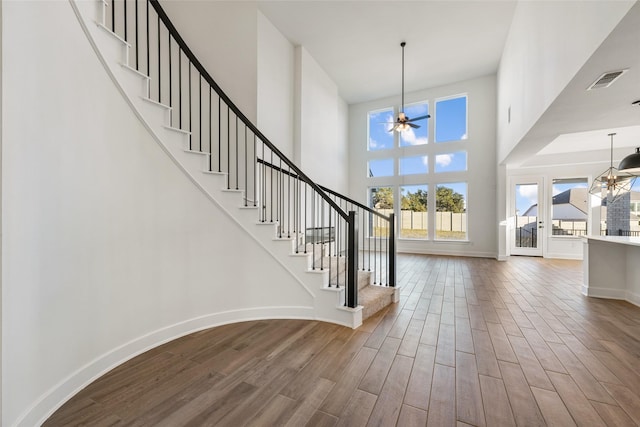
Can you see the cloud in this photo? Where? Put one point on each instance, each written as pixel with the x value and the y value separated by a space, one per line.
pixel 464 136
pixel 373 143
pixel 444 160
pixel 389 121
pixel 528 191
pixel 409 137
pixel 425 161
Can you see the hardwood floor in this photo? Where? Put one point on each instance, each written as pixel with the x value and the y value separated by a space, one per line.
pixel 472 342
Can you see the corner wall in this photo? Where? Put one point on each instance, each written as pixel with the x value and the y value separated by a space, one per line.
pixel 276 65
pixel 108 248
pixel 321 148
pixel 548 43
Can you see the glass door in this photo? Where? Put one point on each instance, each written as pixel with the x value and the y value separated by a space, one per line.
pixel 528 217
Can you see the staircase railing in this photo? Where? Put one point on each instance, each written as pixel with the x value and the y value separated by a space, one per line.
pixel 236 147
pixel 376 240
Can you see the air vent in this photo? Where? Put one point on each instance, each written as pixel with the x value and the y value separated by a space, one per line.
pixel 606 79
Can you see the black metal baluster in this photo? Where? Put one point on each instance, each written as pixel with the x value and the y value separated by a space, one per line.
pixel 113 16
pixel 271 187
pixel 313 229
pixel 305 218
pixel 352 263
pixel 329 240
pixel 392 250
pixel 237 186
pixel 180 87
pixel 220 136
pixel 190 121
pixel 246 182
pixel 159 69
pixel 264 191
pixel 228 149
pixel 200 110
pixel 289 203
pixel 124 3
pixel 255 165
pixel 148 50
pixel 170 82
pixel 137 48
pixel 375 251
pixel 363 234
pixel 210 138
pixel 322 236
pixel 280 198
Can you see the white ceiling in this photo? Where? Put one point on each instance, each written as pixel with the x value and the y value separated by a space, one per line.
pixel 357 42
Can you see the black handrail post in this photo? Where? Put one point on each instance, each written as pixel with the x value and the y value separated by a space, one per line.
pixel 391 256
pixel 352 260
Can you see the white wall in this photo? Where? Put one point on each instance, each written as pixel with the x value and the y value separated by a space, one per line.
pixel 1 210
pixel 223 35
pixel 276 59
pixel 547 44
pixel 481 177
pixel 108 248
pixel 321 148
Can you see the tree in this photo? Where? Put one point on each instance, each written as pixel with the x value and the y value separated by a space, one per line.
pixel 382 198
pixel 448 200
pixel 416 202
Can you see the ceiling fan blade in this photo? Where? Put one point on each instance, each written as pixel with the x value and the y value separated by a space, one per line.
pixel 413 125
pixel 419 118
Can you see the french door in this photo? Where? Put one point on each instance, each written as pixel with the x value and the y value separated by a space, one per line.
pixel 527 210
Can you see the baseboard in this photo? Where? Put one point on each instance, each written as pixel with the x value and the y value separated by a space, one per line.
pixel 430 251
pixel 604 292
pixel 48 403
pixel 577 257
pixel 633 298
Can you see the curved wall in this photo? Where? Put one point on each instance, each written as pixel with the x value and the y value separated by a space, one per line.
pixel 108 248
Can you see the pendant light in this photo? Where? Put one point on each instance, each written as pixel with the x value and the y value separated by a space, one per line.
pixel 631 163
pixel 612 183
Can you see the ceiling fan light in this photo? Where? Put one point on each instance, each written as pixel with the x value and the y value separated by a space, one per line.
pixel 631 163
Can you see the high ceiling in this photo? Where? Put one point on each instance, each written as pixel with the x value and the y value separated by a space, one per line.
pixel 358 42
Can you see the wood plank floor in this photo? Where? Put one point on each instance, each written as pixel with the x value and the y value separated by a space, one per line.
pixel 472 342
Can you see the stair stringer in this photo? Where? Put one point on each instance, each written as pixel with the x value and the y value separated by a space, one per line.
pixel 112 51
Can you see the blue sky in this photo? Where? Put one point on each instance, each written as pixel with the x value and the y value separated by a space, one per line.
pixel 451 119
pixel 451 125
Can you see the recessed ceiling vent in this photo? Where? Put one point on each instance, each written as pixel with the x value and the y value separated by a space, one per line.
pixel 606 79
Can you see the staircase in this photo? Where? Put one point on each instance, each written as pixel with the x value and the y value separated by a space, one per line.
pixel 310 230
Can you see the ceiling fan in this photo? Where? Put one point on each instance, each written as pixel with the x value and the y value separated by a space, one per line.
pixel 403 123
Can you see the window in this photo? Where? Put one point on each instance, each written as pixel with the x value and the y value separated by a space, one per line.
pixel 380 199
pixel 413 165
pixel 400 176
pixel 451 162
pixel 413 212
pixel 451 119
pixel 379 125
pixel 451 211
pixel 413 136
pixel 382 167
pixel 569 207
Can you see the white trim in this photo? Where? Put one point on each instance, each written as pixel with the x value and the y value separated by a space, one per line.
pixel 53 399
pixel 430 251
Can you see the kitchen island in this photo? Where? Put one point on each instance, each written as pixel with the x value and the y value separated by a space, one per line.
pixel 612 268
